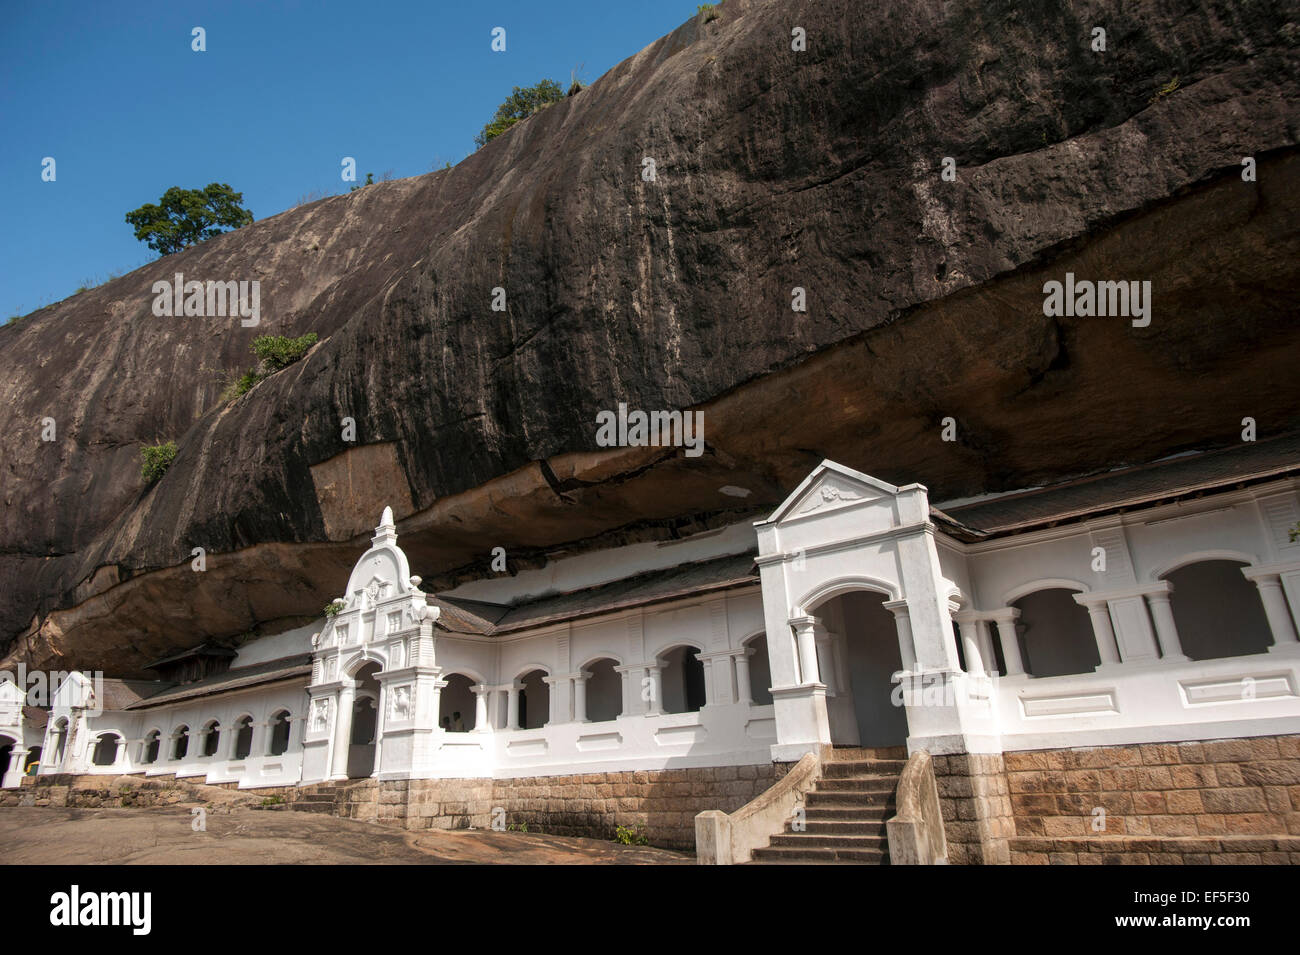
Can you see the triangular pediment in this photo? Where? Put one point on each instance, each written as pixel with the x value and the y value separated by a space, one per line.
pixel 829 487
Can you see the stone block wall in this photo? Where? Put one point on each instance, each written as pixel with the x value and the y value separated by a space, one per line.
pixel 1212 788
pixel 662 802
pixel 1200 802
pixel 976 807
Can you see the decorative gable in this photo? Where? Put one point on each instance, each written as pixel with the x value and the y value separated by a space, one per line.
pixel 830 487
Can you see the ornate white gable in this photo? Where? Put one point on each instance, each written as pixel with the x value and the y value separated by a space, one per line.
pixel 830 487
pixel 380 591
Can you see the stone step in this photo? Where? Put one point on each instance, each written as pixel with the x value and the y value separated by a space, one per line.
pixel 848 813
pixel 842 769
pixel 802 855
pixel 818 799
pixel 863 784
pixel 844 827
pixel 831 842
pixel 321 807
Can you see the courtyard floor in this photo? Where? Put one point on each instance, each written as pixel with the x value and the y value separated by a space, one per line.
pixel 163 836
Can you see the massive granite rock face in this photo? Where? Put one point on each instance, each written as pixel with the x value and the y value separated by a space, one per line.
pixel 773 169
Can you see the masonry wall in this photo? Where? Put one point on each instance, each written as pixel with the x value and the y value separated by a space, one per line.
pixel 976 805
pixel 1230 800
pixel 663 802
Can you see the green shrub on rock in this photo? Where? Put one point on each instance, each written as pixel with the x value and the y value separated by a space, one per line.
pixel 155 460
pixel 277 351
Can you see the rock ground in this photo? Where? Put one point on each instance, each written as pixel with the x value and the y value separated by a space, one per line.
pixel 52 836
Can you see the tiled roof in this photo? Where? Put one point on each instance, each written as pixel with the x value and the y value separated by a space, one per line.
pixel 118 694
pixel 688 579
pixel 1147 484
pixel 269 672
pixel 202 650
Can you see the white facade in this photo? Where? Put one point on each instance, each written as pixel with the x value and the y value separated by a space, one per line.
pixel 842 531
pixel 873 622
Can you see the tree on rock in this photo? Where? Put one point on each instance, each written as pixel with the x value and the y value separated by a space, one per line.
pixel 186 216
pixel 521 104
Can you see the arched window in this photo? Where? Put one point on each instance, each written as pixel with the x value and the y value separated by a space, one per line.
pixel 760 670
pixel 1056 636
pixel 210 739
pixel 149 750
pixel 682 680
pixel 457 704
pixel 1217 611
pixel 604 691
pixel 105 753
pixel 180 742
pixel 534 700
pixel 280 724
pixel 243 737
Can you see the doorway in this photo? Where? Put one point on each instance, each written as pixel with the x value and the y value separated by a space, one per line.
pixel 860 662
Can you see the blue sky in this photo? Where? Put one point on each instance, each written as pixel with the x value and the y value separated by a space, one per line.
pixel 287 88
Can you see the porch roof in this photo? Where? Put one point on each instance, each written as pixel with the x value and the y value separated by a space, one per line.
pixel 202 650
pixel 1181 476
pixel 686 580
pixel 121 694
pixel 270 672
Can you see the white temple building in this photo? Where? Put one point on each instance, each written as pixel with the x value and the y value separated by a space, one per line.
pixel 1148 605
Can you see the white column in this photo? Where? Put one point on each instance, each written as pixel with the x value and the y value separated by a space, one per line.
pixel 480 708
pixel 14 774
pixel 435 704
pixel 654 706
pixel 743 692
pixel 707 661
pixel 826 659
pixel 1103 631
pixel 724 677
pixel 342 731
pixel 1006 621
pixel 232 743
pixel 903 624
pixel 580 696
pixel 551 699
pixel 970 644
pixel 512 706
pixel 631 675
pixel 986 648
pixel 1275 607
pixel 1166 631
pixel 260 740
pixel 805 631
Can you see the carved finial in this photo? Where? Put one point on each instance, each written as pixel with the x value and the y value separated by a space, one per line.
pixel 385 533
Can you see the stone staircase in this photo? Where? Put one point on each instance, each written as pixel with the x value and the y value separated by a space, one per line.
pixel 322 798
pixel 348 799
pixel 845 812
